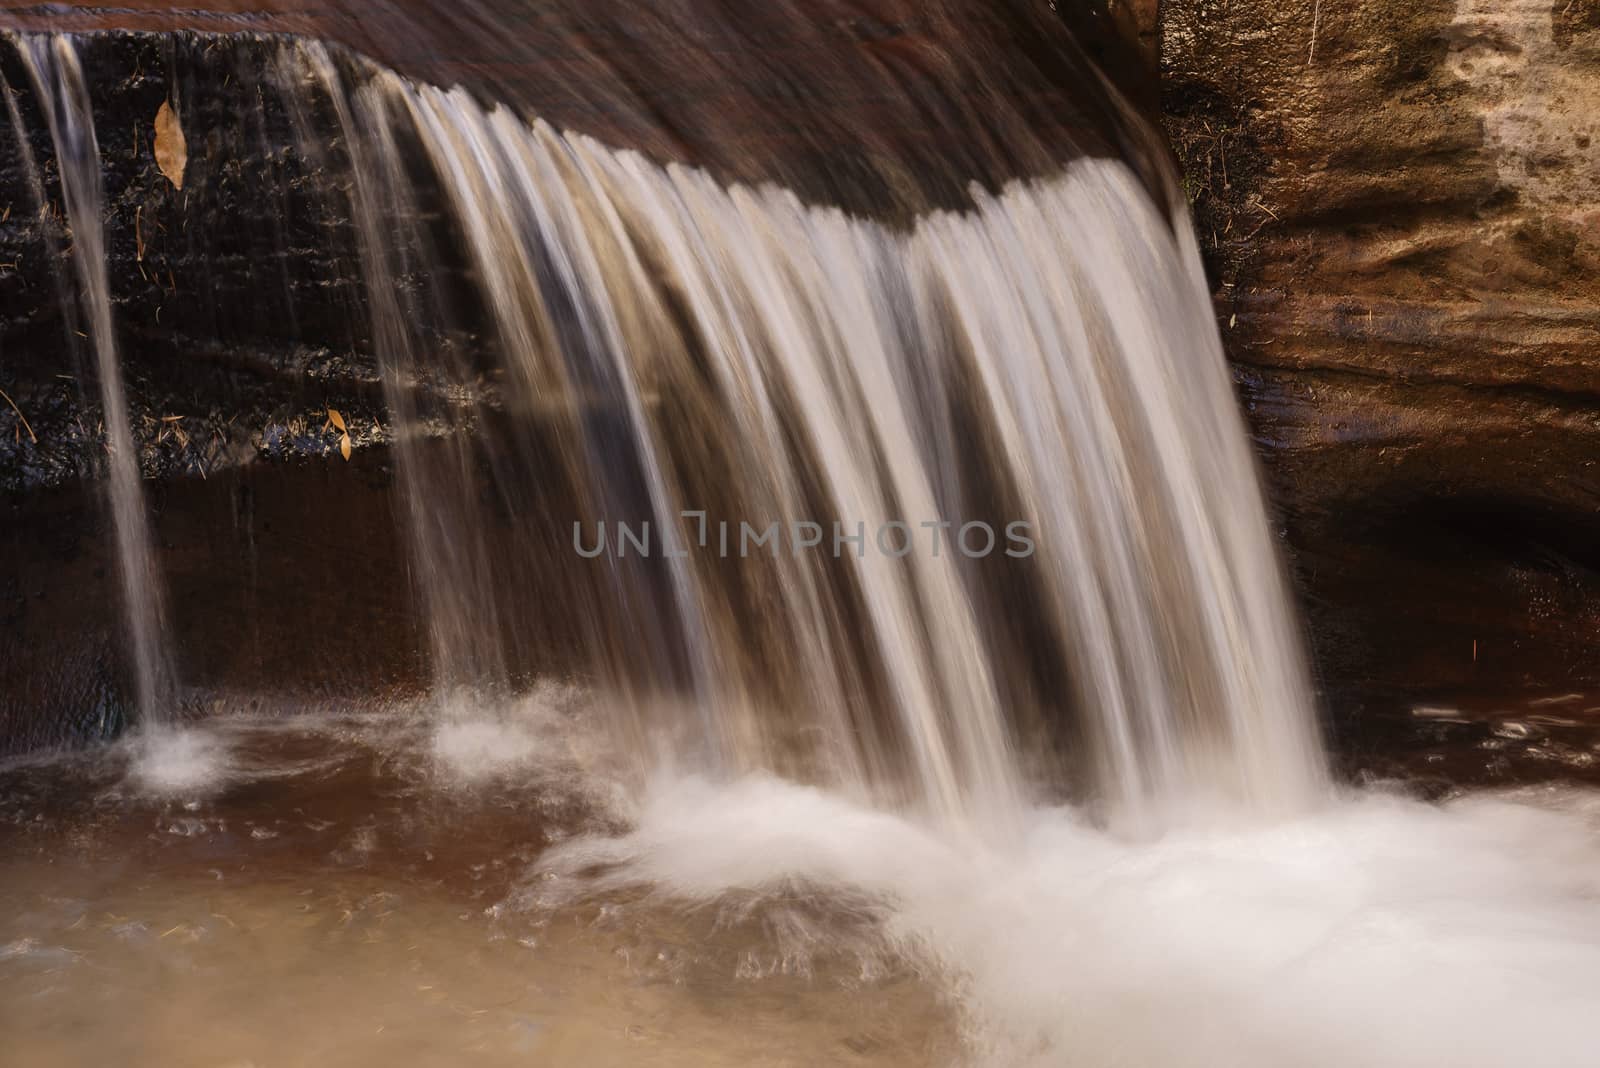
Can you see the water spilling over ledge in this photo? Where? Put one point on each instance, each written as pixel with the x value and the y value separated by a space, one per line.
pixel 878 806
pixel 673 346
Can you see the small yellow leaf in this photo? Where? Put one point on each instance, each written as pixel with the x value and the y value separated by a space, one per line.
pixel 172 152
pixel 336 419
pixel 344 446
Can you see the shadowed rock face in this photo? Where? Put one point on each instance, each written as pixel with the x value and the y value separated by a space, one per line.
pixel 279 578
pixel 237 299
pixel 1402 207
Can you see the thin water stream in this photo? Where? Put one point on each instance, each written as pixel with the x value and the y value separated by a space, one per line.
pixel 58 82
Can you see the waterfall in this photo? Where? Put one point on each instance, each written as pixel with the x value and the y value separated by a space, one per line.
pixel 724 358
pixel 63 94
pixel 806 635
pixel 940 515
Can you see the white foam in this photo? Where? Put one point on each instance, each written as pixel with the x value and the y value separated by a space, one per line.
pixel 1374 932
pixel 185 762
pixel 477 749
pixel 476 740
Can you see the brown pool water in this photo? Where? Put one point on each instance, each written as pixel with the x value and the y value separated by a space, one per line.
pixel 375 886
pixel 333 896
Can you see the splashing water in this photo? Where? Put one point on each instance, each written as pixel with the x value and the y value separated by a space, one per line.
pixel 164 762
pixel 1377 931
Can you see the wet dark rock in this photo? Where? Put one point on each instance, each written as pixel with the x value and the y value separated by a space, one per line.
pixel 238 304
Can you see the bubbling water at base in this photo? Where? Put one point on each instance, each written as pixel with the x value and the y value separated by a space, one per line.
pixel 409 891
pixel 1375 931
pixel 171 762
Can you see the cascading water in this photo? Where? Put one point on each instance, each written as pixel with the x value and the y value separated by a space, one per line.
pixel 916 564
pixel 58 81
pixel 733 354
pixel 706 356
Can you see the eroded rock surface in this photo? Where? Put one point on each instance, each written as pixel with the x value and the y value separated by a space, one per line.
pixel 1401 203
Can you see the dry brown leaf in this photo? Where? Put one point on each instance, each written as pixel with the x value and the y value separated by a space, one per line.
pixel 337 420
pixel 172 152
pixel 344 446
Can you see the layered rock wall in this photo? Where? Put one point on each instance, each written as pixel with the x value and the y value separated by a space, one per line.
pixel 1401 204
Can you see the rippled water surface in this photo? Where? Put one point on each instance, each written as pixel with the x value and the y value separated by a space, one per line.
pixel 328 892
pixel 362 887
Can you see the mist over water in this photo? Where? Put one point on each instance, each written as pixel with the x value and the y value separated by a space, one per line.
pixel 1373 930
pixel 537 901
